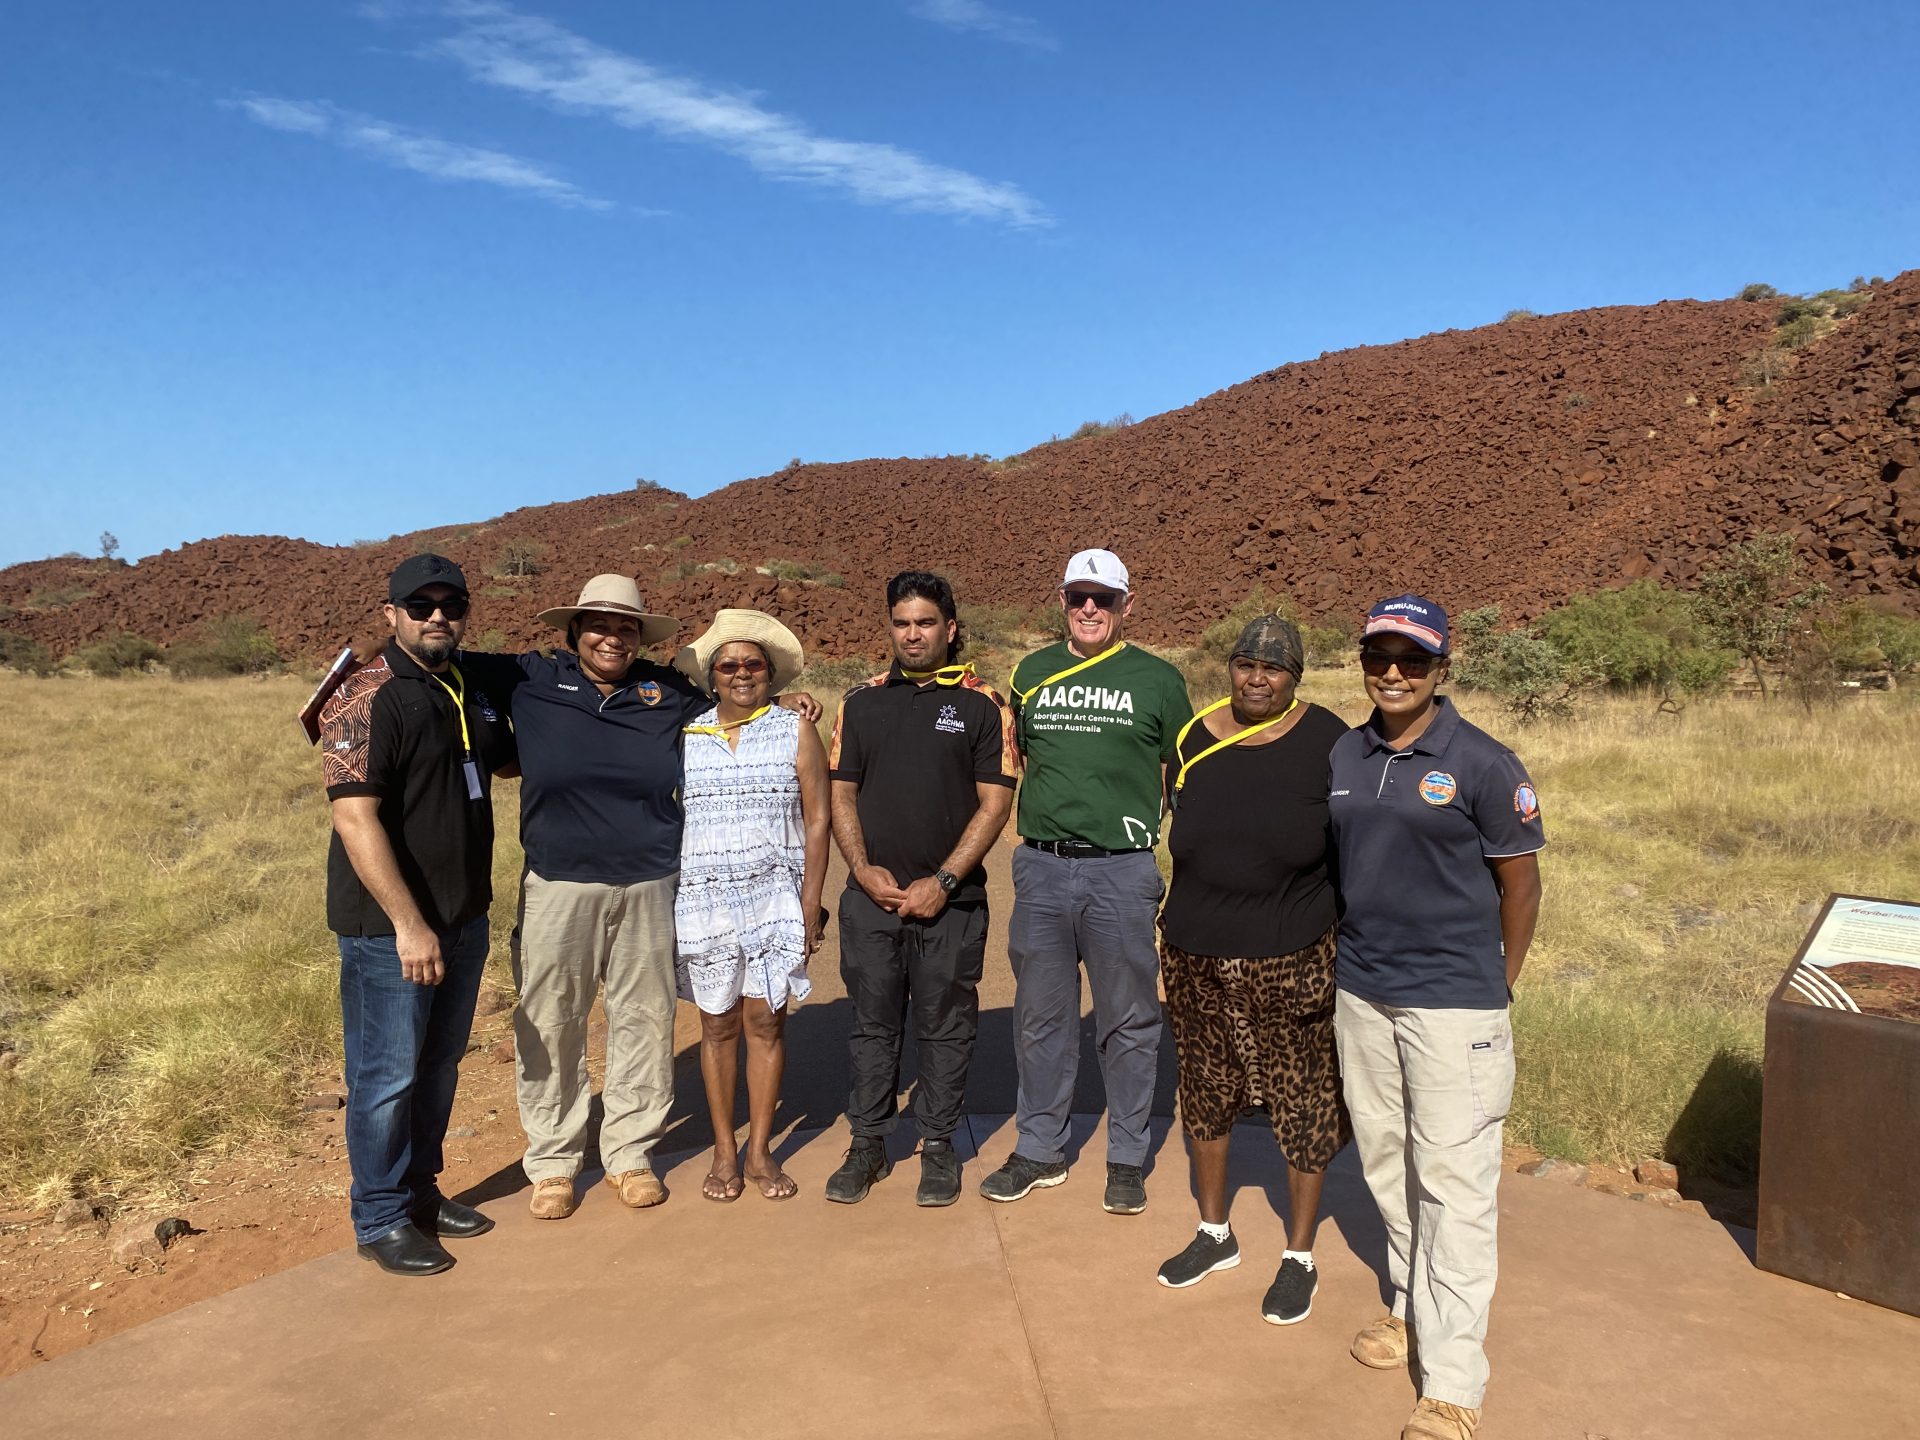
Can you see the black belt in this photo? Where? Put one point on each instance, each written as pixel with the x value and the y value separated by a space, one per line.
pixel 1073 849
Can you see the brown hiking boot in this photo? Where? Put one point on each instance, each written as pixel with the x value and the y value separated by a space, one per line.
pixel 1437 1420
pixel 1382 1345
pixel 638 1188
pixel 553 1198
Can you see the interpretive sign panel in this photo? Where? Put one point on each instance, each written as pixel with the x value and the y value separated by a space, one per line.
pixel 1861 955
pixel 1839 1167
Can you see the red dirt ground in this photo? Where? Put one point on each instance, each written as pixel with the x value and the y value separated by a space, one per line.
pixel 1515 464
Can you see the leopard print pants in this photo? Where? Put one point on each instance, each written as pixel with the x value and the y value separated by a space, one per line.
pixel 1259 1032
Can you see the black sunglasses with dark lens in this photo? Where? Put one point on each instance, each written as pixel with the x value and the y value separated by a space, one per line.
pixel 454 607
pixel 1102 599
pixel 1414 667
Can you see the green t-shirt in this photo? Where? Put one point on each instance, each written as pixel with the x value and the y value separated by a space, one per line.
pixel 1094 744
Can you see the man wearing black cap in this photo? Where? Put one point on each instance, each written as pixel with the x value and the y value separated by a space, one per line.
pixel 410 747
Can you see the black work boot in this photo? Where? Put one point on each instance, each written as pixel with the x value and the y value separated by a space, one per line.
pixel 405 1250
pixel 865 1166
pixel 939 1174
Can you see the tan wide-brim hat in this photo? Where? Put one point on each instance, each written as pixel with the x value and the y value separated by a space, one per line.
pixel 783 648
pixel 614 595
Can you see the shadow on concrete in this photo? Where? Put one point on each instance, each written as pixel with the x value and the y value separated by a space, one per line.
pixel 1715 1144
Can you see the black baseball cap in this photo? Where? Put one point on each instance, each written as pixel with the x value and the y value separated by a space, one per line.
pixel 412 576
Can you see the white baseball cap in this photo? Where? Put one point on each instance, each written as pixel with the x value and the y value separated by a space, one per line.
pixel 1096 567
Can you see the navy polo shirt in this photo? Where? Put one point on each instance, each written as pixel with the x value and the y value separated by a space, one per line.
pixel 600 775
pixel 1413 830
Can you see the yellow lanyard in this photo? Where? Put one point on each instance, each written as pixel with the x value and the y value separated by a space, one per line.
pixel 722 728
pixel 1180 780
pixel 458 690
pixel 1026 695
pixel 945 675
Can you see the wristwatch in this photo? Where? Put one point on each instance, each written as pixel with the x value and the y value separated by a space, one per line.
pixel 949 881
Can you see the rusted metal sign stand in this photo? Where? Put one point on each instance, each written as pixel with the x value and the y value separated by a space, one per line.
pixel 1840 1122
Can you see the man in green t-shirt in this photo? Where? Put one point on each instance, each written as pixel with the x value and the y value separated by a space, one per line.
pixel 1097 723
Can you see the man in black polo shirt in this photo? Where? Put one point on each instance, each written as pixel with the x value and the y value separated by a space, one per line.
pixel 923 767
pixel 410 748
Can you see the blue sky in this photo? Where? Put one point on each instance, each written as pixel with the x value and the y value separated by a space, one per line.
pixel 341 270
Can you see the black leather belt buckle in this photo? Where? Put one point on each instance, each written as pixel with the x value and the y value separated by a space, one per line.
pixel 1070 849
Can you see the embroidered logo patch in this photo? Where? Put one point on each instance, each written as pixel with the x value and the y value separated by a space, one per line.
pixel 950 720
pixel 649 692
pixel 1437 787
pixel 1527 803
pixel 486 712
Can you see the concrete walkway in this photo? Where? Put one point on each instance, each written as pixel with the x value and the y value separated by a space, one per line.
pixel 1036 1319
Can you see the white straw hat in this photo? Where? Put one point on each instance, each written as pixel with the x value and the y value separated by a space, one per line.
pixel 783 648
pixel 614 595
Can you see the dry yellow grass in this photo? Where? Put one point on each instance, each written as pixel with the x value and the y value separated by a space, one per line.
pixel 168 979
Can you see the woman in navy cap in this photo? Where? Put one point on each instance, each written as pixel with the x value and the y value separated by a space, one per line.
pixel 1436 830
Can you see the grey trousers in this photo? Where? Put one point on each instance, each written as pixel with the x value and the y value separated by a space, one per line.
pixel 574 938
pixel 1097 912
pixel 1429 1091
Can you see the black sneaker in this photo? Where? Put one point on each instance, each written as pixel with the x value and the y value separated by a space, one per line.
pixel 865 1165
pixel 1126 1191
pixel 1201 1258
pixel 1019 1175
pixel 939 1174
pixel 1290 1298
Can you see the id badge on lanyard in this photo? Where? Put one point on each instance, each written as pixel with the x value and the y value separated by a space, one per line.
pixel 468 765
pixel 472 772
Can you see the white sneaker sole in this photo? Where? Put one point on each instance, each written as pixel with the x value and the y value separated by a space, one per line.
pixel 1045 1182
pixel 1293 1319
pixel 1226 1264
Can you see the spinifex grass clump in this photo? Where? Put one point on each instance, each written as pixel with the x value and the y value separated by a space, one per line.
pixel 166 974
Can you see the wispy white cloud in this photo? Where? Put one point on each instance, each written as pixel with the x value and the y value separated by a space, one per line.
pixel 982 19
pixel 414 150
pixel 535 57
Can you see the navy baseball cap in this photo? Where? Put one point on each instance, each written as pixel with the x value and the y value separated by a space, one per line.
pixel 1413 616
pixel 412 576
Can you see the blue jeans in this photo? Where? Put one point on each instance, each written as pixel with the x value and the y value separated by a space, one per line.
pixel 404 1042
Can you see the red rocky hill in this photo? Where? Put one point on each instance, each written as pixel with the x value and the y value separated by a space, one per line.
pixel 1514 464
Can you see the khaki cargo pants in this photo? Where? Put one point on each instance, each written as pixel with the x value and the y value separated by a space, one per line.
pixel 573 938
pixel 1428 1091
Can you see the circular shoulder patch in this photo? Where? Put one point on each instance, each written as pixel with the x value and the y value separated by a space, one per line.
pixel 1526 803
pixel 649 692
pixel 1437 787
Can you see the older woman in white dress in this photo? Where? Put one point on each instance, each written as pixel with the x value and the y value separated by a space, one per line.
pixel 753 864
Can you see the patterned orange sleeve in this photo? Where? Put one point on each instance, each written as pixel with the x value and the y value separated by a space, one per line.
pixel 997 758
pixel 346 734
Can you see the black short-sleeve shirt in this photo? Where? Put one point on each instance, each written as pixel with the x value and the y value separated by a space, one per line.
pixel 1251 845
pixel 1413 830
pixel 917 752
pixel 600 774
pixel 392 731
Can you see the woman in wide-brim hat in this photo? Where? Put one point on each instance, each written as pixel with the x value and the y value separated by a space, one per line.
pixel 753 863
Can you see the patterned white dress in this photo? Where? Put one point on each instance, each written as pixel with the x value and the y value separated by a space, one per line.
pixel 737 915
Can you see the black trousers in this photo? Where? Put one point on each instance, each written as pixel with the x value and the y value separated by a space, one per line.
pixel 933 966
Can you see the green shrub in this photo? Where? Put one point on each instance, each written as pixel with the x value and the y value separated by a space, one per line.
pixel 1801 330
pixel 57 597
pixel 1747 603
pixel 1517 665
pixel 992 625
pixel 1757 292
pixel 520 558
pixel 1576 400
pixel 1328 643
pixel 1799 307
pixel 802 570
pixel 1091 428
pixel 25 654
pixel 1897 637
pixel 1639 635
pixel 117 654
pixel 1519 315
pixel 225 645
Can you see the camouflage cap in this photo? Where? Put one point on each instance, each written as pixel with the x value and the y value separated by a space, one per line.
pixel 1275 641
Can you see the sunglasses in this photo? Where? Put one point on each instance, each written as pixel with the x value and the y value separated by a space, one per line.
pixel 1102 599
pixel 739 667
pixel 1414 667
pixel 454 607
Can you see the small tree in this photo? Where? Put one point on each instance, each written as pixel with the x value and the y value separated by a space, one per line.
pixel 1747 601
pixel 520 558
pixel 109 544
pixel 1758 292
pixel 1523 669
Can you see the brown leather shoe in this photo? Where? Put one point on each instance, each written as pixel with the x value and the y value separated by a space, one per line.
pixel 553 1198
pixel 1437 1420
pixel 1382 1345
pixel 638 1189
